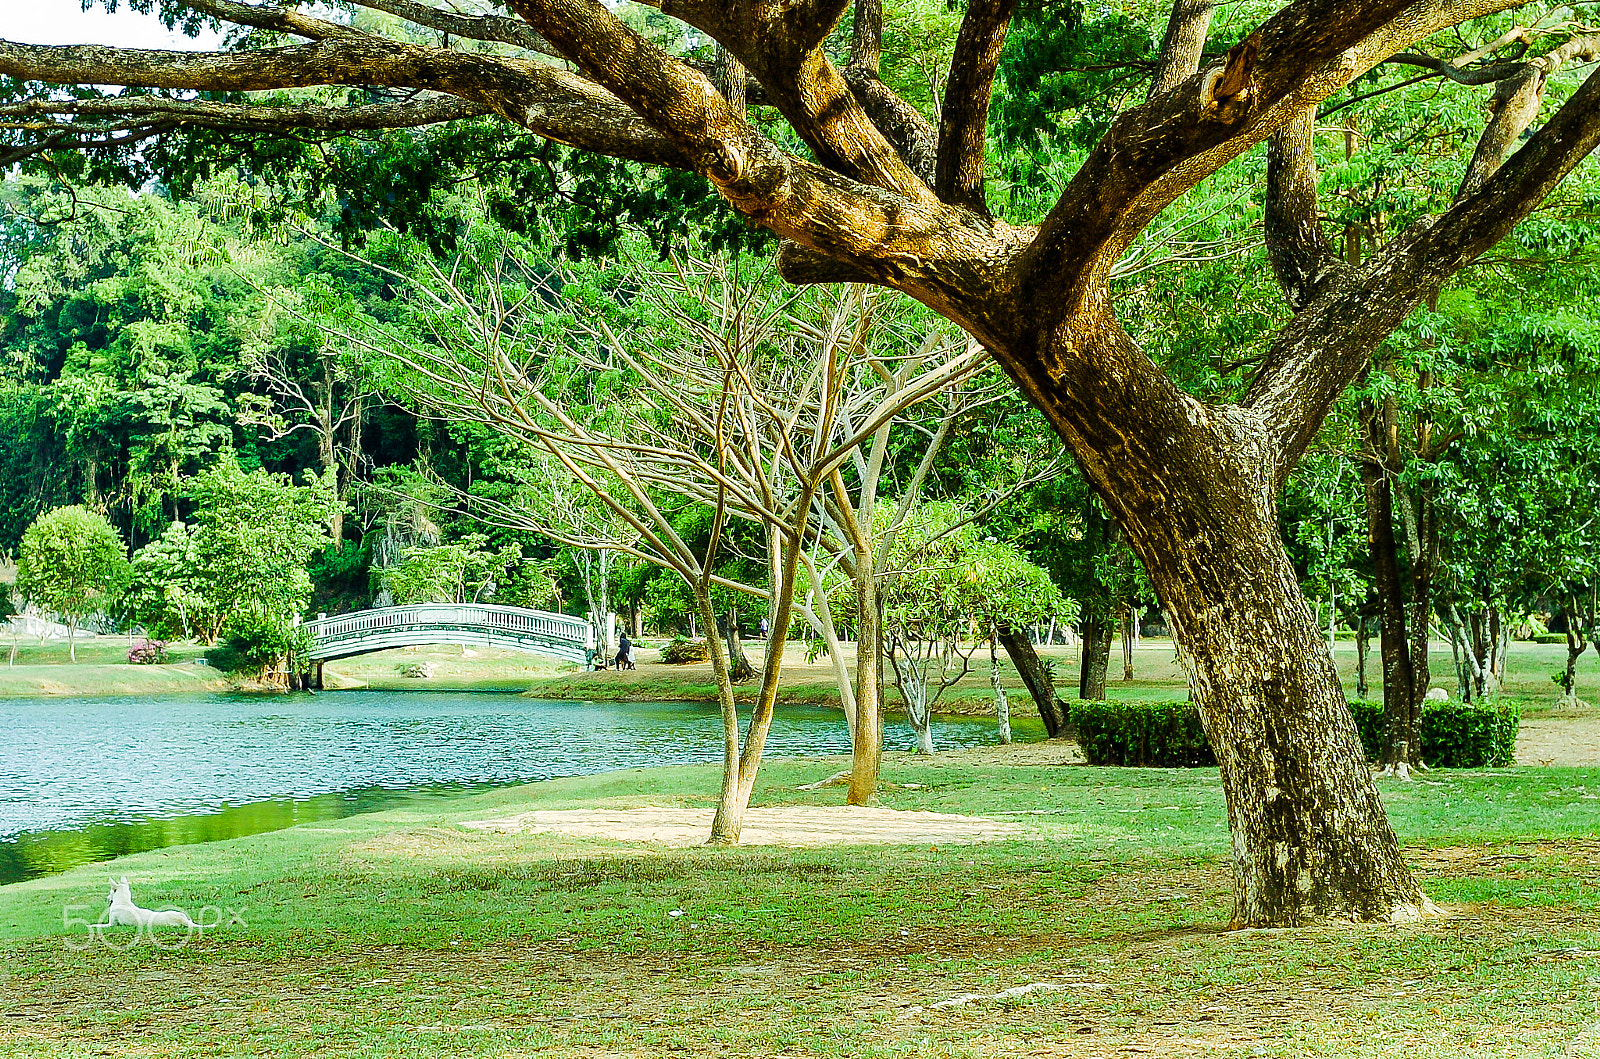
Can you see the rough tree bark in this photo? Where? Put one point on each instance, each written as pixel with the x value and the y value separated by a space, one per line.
pixel 1094 656
pixel 1193 485
pixel 1394 646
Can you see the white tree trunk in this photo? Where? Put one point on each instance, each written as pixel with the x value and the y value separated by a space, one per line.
pixel 1002 705
pixel 914 690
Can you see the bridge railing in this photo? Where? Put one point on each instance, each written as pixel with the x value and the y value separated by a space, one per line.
pixel 514 620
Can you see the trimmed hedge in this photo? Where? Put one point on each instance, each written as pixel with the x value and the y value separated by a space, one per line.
pixel 1149 734
pixel 1455 735
pixel 1169 734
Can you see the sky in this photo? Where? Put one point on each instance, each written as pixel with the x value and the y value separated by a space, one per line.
pixel 65 22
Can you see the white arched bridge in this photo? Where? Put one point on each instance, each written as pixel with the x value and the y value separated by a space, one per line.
pixel 469 624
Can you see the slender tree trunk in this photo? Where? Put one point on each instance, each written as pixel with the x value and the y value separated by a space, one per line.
pixel 72 639
pixel 739 775
pixel 729 817
pixel 1002 705
pixel 739 662
pixel 1130 624
pixel 1036 678
pixel 1363 648
pixel 913 685
pixel 1393 645
pixel 866 748
pixel 1094 656
pixel 1424 546
pixel 1575 647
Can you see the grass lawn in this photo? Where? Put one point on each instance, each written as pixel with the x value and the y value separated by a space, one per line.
pixel 404 934
pixel 101 669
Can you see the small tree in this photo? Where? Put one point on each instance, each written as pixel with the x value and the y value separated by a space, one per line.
pixel 72 562
pixel 946 593
pixel 464 571
pixel 1009 591
pixel 8 611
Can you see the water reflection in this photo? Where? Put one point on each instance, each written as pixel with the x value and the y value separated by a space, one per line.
pixel 90 779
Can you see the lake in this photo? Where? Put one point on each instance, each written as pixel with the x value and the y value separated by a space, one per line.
pixel 87 779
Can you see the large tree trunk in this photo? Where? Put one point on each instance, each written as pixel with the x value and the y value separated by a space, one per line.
pixel 1094 656
pixel 1276 717
pixel 1036 678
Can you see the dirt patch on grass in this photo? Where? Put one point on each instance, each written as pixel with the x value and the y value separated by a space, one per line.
pixel 1569 737
pixel 808 825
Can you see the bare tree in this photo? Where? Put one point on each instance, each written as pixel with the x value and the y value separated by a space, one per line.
pixel 323 394
pixel 1193 485
pixel 739 406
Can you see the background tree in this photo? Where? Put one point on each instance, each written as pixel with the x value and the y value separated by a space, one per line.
pixel 71 562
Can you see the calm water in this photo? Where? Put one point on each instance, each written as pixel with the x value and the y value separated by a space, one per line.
pixel 88 779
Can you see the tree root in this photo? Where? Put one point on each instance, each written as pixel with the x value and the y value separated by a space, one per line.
pixel 1004 994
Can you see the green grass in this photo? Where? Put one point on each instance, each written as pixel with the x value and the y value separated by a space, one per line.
pixel 403 934
pixel 101 669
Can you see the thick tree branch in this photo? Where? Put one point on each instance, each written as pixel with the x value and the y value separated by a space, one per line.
pixel 495 29
pixel 781 46
pixel 272 18
pixel 118 122
pixel 38 113
pixel 1156 152
pixel 902 124
pixel 1183 45
pixel 1515 105
pixel 866 35
pixel 1297 248
pixel 547 101
pixel 1327 345
pixel 964 117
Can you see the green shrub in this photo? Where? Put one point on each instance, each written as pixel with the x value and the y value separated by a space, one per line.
pixel 1152 734
pixel 682 651
pixel 253 644
pixel 1169 735
pixel 1457 735
pixel 1371 727
pixel 1454 735
pixel 1550 637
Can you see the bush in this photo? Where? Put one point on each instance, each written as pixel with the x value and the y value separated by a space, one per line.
pixel 148 653
pixel 1460 735
pixel 1151 734
pixel 1550 637
pixel 1454 735
pixel 682 651
pixel 252 644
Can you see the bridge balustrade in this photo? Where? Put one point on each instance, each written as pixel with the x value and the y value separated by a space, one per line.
pixel 463 623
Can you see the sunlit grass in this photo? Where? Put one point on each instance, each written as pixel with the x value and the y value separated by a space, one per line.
pixel 403 934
